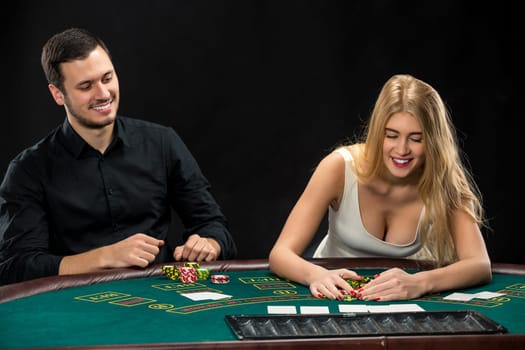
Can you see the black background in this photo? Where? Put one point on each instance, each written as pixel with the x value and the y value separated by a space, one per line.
pixel 260 91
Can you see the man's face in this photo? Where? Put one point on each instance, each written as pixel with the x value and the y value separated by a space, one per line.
pixel 91 91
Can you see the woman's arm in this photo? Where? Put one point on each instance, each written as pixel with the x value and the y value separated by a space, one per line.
pixel 324 188
pixel 472 268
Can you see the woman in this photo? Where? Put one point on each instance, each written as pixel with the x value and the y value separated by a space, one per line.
pixel 401 192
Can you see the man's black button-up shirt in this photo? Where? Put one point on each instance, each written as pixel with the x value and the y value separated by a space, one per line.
pixel 62 197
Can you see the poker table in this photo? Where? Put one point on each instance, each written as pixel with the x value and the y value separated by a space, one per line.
pixel 144 309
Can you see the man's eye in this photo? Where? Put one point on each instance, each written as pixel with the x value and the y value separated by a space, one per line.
pixel 107 78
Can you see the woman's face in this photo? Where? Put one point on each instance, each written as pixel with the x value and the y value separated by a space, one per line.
pixel 403 148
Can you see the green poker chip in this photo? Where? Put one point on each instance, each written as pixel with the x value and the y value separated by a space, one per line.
pixel 356 284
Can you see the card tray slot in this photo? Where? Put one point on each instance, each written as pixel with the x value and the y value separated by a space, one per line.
pixel 356 325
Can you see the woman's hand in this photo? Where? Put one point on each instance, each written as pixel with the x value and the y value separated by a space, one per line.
pixel 332 284
pixel 393 284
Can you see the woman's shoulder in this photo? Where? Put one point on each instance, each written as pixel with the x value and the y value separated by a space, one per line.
pixel 349 152
pixel 336 161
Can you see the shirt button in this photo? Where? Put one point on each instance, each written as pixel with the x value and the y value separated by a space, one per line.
pixel 110 192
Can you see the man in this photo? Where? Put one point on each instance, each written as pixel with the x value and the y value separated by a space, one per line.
pixel 97 192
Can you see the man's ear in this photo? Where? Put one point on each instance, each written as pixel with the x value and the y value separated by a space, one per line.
pixel 57 94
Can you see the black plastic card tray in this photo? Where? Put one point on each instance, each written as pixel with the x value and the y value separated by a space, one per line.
pixel 358 325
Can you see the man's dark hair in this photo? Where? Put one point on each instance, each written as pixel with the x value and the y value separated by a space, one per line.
pixel 69 45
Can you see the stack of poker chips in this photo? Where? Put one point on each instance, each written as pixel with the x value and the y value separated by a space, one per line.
pixel 356 284
pixel 202 273
pixel 220 279
pixel 189 273
pixel 171 272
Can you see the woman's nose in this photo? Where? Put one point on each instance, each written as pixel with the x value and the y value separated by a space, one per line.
pixel 402 147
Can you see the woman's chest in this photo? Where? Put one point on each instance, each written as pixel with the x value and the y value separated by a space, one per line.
pixel 391 216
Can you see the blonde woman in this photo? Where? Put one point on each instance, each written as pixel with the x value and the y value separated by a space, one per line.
pixel 403 191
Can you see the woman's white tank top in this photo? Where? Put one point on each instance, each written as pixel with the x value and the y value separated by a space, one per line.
pixel 347 236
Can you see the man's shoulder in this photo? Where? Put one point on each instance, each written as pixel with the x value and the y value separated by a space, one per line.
pixel 131 123
pixel 35 156
pixel 138 131
pixel 39 148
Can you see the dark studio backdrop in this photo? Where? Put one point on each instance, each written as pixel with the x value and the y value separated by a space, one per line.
pixel 260 91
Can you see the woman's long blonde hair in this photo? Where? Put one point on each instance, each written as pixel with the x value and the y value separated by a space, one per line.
pixel 446 184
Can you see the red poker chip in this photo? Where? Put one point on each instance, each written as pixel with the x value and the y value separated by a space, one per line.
pixel 220 279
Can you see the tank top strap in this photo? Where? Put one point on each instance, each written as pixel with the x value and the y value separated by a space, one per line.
pixel 345 153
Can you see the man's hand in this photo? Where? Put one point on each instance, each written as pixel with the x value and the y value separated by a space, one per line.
pixel 137 250
pixel 198 248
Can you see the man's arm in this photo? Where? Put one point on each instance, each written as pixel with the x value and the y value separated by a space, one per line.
pixel 24 237
pixel 138 250
pixel 190 196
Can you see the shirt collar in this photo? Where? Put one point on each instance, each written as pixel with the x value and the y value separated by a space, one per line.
pixel 77 145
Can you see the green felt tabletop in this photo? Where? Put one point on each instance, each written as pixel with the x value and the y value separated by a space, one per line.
pixel 153 310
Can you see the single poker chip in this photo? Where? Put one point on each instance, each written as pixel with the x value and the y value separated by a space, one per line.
pixel 195 265
pixel 220 279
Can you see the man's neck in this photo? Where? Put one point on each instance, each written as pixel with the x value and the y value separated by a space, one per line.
pixel 98 138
